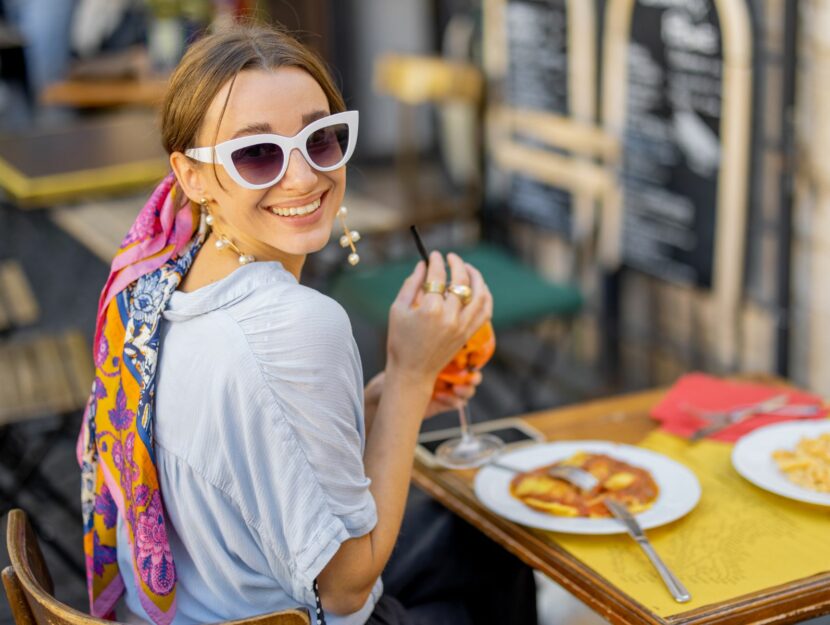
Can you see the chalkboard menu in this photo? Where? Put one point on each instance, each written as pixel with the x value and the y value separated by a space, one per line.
pixel 537 47
pixel 672 146
pixel 537 78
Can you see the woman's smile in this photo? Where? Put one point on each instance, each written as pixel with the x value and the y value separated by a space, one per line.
pixel 303 209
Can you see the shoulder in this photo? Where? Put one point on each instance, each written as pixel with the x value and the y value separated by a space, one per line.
pixel 261 312
pixel 292 312
pixel 292 331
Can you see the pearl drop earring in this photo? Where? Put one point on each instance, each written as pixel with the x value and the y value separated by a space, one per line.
pixel 349 237
pixel 222 242
pixel 225 243
pixel 205 219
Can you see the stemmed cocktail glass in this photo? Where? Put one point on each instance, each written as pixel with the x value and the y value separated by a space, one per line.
pixel 470 449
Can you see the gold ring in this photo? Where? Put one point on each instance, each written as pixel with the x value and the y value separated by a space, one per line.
pixel 464 293
pixel 434 286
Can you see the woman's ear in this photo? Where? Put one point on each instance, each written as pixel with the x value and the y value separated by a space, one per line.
pixel 188 175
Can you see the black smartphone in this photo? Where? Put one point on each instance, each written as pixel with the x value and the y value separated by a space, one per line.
pixel 512 431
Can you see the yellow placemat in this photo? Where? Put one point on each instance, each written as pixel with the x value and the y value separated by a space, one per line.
pixel 738 540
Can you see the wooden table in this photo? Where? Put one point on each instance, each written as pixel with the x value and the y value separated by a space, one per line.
pixel 88 157
pixel 147 92
pixel 112 79
pixel 623 419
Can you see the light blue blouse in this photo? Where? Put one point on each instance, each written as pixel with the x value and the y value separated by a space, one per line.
pixel 259 440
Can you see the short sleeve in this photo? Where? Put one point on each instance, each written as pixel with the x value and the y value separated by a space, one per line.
pixel 312 492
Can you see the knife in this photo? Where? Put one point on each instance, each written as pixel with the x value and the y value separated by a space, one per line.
pixel 621 513
pixel 736 416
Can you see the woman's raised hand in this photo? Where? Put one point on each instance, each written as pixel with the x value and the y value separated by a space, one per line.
pixel 426 329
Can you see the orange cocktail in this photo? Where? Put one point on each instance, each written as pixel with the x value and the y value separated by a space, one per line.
pixel 470 449
pixel 470 358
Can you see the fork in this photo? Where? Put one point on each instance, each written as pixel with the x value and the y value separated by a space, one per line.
pixel 586 482
pixel 721 420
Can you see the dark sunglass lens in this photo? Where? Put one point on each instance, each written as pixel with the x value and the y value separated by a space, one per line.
pixel 327 146
pixel 258 164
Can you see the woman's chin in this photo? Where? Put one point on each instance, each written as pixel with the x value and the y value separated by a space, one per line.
pixel 300 248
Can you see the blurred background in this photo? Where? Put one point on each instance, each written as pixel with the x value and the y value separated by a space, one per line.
pixel 640 181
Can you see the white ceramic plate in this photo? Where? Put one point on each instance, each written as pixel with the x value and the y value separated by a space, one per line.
pixel 679 488
pixel 752 458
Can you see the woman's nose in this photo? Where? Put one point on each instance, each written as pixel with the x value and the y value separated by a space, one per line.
pixel 299 174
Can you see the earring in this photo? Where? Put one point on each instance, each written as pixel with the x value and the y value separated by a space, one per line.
pixel 208 217
pixel 225 243
pixel 205 218
pixel 222 242
pixel 349 238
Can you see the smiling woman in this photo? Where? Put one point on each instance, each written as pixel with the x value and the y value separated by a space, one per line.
pixel 250 196
pixel 229 427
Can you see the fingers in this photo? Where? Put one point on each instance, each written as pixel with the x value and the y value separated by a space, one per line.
pixel 435 273
pixel 464 393
pixel 460 276
pixel 475 379
pixel 461 393
pixel 458 270
pixel 411 287
pixel 480 308
pixel 444 402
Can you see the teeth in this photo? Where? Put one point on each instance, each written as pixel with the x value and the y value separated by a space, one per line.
pixel 297 210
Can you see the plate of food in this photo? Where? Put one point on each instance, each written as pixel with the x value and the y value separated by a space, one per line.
pixel 789 459
pixel 655 488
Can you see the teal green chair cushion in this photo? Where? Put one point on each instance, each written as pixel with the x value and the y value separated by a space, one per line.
pixel 520 295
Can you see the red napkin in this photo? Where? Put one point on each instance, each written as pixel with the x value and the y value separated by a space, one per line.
pixel 704 392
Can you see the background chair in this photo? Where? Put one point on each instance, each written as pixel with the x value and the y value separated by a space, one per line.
pixel 30 590
pixel 522 297
pixel 18 306
pixel 45 380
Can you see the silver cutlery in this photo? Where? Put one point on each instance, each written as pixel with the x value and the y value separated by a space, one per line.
pixel 586 482
pixel 722 420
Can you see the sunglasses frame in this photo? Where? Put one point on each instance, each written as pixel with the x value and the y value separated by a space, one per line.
pixel 221 153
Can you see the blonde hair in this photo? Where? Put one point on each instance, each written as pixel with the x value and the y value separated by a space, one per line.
pixel 216 59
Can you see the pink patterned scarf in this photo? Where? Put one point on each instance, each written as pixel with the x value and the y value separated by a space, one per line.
pixel 115 446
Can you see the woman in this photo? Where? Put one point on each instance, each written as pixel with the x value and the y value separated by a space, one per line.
pixel 279 489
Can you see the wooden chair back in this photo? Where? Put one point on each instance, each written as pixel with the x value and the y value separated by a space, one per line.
pixel 456 88
pixel 18 306
pixel 415 79
pixel 29 587
pixel 45 374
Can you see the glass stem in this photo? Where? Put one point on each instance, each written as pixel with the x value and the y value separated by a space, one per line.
pixel 463 420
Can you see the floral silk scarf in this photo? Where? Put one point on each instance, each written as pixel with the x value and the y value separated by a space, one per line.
pixel 115 446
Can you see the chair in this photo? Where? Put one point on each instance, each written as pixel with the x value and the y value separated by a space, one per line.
pixel 522 297
pixel 41 375
pixel 18 306
pixel 29 587
pixel 456 88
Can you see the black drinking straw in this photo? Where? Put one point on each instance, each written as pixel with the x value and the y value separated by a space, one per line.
pixel 419 243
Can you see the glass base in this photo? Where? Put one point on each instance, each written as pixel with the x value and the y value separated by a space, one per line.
pixel 468 453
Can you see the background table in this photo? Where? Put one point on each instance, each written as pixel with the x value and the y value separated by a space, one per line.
pixel 101 155
pixel 147 92
pixel 623 419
